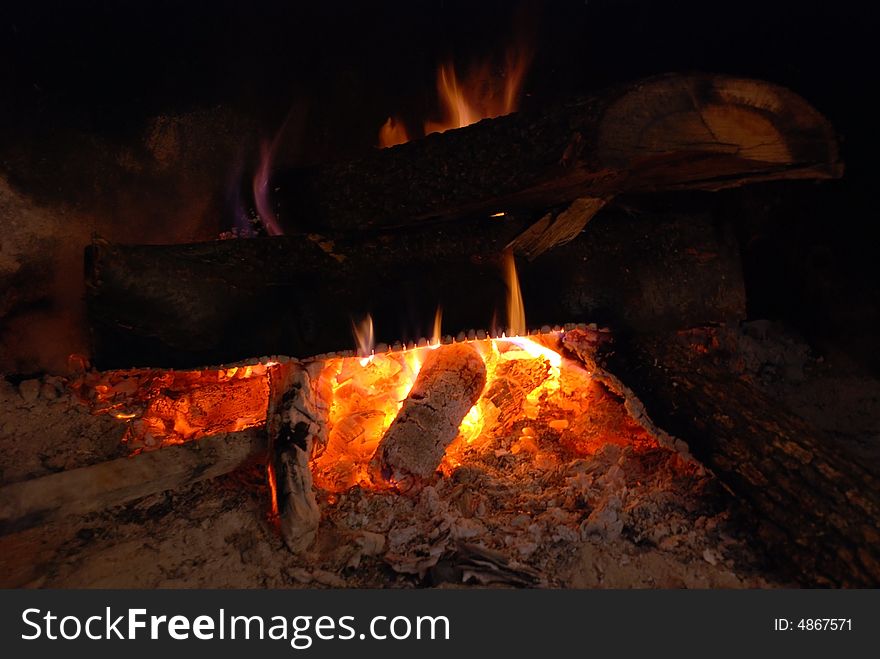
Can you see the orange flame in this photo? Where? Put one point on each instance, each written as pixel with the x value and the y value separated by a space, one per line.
pixel 459 110
pixel 480 94
pixel 365 395
pixel 363 336
pixel 437 335
pixel 274 513
pixel 392 133
pixel 516 313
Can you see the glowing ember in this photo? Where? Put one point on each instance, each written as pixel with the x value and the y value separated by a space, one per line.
pixel 273 492
pixel 535 402
pixel 363 395
pixel 364 398
pixel 171 407
pixel 481 94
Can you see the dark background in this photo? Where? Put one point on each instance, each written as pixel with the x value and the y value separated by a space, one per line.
pixel 336 70
pixel 107 66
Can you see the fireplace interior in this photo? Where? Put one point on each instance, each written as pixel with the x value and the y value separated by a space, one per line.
pixel 577 296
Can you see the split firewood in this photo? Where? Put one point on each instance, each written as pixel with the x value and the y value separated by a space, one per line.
pixel 557 228
pixel 449 384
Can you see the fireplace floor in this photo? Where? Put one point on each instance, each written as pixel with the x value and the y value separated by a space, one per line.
pixel 214 534
pixel 626 516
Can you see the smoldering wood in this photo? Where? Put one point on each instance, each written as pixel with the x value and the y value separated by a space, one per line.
pixel 186 306
pixel 512 382
pixel 90 489
pixel 591 347
pixel 669 132
pixel 819 507
pixel 450 382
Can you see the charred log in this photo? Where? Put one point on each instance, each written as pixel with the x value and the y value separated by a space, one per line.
pixel 820 507
pixel 292 426
pixel 668 132
pixel 449 384
pixel 513 382
pixel 191 305
pixel 113 483
pixel 557 228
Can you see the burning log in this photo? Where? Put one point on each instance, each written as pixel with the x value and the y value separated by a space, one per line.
pixel 187 306
pixel 97 487
pixel 669 132
pixel 448 385
pixel 820 506
pixel 292 423
pixel 513 382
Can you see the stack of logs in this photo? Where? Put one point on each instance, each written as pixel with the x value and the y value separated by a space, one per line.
pixel 404 229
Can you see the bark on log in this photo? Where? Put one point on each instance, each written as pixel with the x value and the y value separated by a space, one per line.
pixel 668 132
pixel 449 384
pixel 821 506
pixel 97 487
pixel 190 305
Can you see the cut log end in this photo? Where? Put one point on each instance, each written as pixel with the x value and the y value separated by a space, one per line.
pixel 448 386
pixel 732 130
